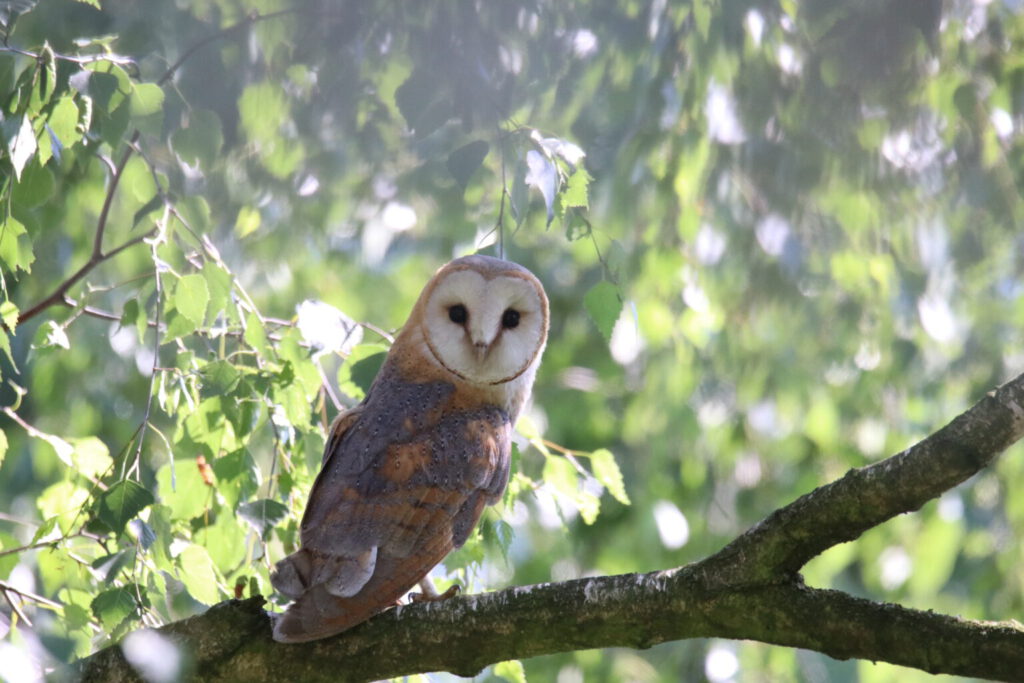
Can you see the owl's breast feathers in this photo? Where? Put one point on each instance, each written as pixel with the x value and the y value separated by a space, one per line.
pixel 404 482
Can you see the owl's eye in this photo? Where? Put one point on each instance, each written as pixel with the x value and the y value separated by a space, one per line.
pixel 510 318
pixel 458 314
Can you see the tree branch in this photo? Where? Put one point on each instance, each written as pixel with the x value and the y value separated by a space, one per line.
pixel 749 590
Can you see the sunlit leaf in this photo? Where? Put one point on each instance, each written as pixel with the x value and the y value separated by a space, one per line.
pixel 247 221
pixel 255 335
pixel 9 314
pixel 20 142
pixel 64 501
pixel 9 561
pixel 542 176
pixel 603 306
pixel 91 456
pixel 198 573
pixel 191 296
pixel 606 471
pixel 15 246
pixel 512 671
pixel 575 194
pixel 186 496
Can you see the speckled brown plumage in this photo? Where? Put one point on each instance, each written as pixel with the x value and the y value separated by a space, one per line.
pixel 407 474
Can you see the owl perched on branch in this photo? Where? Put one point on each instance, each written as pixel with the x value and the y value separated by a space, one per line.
pixel 407 473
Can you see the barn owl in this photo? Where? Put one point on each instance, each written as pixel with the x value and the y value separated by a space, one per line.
pixel 407 473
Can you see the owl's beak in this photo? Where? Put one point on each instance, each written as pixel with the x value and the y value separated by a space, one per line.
pixel 481 349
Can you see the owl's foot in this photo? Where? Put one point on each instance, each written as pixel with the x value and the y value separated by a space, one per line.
pixel 430 593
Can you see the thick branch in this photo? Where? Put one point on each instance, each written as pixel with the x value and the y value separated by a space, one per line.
pixel 463 635
pixel 749 590
pixel 868 496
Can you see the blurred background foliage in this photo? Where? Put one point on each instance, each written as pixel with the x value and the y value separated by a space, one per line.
pixel 780 240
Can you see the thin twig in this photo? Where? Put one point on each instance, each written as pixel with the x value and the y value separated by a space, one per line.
pixel 26 594
pixel 156 349
pixel 14 607
pixel 57 295
pixel 33 546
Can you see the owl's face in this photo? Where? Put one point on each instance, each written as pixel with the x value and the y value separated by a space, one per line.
pixel 485 320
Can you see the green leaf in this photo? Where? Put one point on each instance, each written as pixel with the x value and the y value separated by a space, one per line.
pixel 99 87
pixel 464 161
pixel 561 475
pixel 606 471
pixel 51 335
pixel 9 314
pixel 16 246
pixel 262 515
pixel 236 476
pixel 112 607
pixel 191 295
pixel 224 540
pixel 5 346
pixel 91 457
pixel 35 187
pixel 255 336
pixel 111 565
pixel 263 108
pixel 219 282
pixel 197 572
pixel 8 562
pixel 146 99
pixel 20 142
pixel 219 377
pixel 184 493
pixel 292 397
pixel 122 502
pixel 512 671
pixel 45 79
pixel 64 501
pixel 130 315
pixel 63 121
pixel 199 142
pixel 575 194
pixel 247 221
pixel 3 447
pixel 149 207
pixel 603 306
pixel 364 371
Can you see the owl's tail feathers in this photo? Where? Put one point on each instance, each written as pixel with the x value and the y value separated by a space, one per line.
pixel 318 614
pixel 325 589
pixel 341 576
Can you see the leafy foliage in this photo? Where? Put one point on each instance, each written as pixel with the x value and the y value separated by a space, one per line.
pixel 779 242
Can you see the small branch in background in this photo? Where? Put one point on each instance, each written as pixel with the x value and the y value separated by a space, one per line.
pixel 57 296
pixel 8 588
pixel 14 606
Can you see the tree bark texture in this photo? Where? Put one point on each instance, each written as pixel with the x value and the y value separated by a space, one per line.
pixel 751 589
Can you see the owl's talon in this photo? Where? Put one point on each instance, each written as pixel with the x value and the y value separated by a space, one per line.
pixel 433 596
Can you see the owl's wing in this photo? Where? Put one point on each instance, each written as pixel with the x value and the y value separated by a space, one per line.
pixel 405 483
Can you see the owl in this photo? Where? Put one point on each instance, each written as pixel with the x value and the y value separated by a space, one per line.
pixel 407 473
